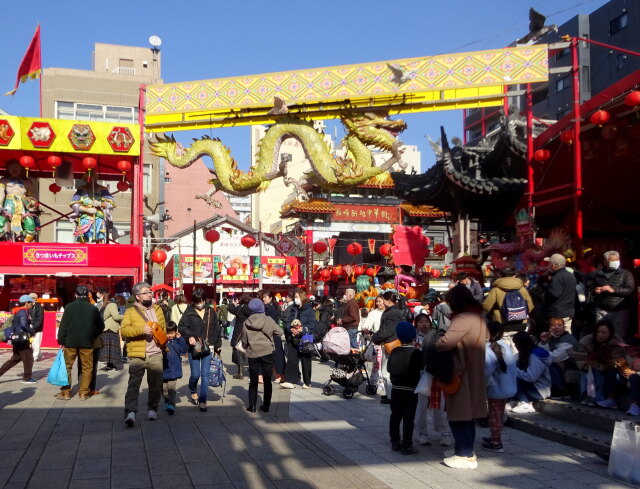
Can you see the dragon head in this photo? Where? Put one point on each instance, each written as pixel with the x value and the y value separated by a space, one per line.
pixel 374 129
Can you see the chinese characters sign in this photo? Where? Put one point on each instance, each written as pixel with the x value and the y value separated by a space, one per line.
pixel 203 270
pixel 366 213
pixel 55 255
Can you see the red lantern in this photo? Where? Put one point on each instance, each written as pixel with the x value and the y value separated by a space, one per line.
pixel 248 241
pixel 354 248
pixel 600 117
pixel 212 236
pixel 281 272
pixel 435 273
pixel 358 270
pixel 385 249
pixel 325 274
pixel 54 188
pixel 541 155
pixel 122 186
pixel 54 162
pixel 636 262
pixel 440 249
pixel 319 247
pixel 231 271
pixel 124 166
pixel 89 163
pixel 371 272
pixel 567 136
pixel 632 99
pixel 335 272
pixel 27 162
pixel 158 256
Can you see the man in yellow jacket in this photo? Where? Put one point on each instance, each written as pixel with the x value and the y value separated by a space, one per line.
pixel 143 352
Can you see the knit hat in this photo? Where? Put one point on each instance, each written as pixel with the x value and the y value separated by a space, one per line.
pixel 405 331
pixel 256 306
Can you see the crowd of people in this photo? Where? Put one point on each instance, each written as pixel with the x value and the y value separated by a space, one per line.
pixel 471 353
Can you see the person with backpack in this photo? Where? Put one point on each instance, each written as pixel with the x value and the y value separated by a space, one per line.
pixel 560 297
pixel 508 302
pixel 21 328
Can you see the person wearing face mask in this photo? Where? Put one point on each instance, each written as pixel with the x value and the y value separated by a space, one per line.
pixel 560 297
pixel 200 322
pixel 612 289
pixel 145 355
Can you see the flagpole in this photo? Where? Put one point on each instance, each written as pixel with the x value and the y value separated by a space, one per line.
pixel 41 72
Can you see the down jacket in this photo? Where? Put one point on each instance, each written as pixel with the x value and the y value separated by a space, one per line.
pixel 132 330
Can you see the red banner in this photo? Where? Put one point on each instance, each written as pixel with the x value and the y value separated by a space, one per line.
pixel 366 213
pixel 55 255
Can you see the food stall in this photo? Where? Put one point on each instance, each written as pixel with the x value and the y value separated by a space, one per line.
pixel 92 165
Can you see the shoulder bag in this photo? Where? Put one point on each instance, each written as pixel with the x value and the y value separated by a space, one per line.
pixel 201 347
pixel 159 336
pixel 454 384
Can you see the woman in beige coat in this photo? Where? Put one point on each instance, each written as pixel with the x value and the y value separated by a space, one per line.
pixel 466 336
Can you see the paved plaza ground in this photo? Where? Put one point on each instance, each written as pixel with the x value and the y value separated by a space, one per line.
pixel 307 441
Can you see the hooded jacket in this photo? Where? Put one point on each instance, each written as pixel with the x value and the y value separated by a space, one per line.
pixel 493 303
pixel 538 371
pixel 260 329
pixel 171 362
pixel 500 385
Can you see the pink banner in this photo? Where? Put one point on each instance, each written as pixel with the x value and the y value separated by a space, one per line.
pixel 55 255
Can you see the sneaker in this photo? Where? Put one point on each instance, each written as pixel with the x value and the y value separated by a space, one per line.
pixel 305 386
pixel 607 404
pixel 634 410
pixel 457 462
pixel 30 381
pixel 410 450
pixel 508 407
pixel 396 447
pixel 423 440
pixel 171 409
pixel 452 453
pixel 130 419
pixel 523 408
pixel 287 385
pixel 493 447
pixel 385 400
pixel 152 415
pixel 445 442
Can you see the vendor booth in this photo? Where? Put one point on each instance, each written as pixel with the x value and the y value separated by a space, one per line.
pixel 51 243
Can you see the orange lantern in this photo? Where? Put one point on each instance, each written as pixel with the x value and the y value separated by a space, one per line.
pixel 600 117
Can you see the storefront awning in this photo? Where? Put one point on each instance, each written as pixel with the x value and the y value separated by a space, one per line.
pixel 61 271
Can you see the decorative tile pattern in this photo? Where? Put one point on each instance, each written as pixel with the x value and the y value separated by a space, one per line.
pixel 452 71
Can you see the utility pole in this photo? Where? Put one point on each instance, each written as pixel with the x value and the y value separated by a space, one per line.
pixel 193 269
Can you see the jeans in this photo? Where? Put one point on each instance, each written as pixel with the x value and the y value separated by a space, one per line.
pixel 403 410
pixel 200 369
pixel 260 366
pixel 384 373
pixel 353 337
pixel 464 435
pixel 152 365
pixel 527 392
pixel 604 380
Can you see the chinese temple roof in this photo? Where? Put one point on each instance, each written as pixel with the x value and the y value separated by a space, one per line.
pixel 422 210
pixel 313 206
pixel 383 180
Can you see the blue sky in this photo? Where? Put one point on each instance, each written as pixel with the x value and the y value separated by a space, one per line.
pixel 210 39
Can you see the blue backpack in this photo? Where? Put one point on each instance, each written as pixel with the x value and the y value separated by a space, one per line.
pixel 216 374
pixel 514 307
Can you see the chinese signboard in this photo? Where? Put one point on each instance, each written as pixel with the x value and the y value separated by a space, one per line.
pixel 55 255
pixel 203 270
pixel 366 213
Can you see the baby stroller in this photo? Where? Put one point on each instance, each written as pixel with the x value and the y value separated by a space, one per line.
pixel 350 371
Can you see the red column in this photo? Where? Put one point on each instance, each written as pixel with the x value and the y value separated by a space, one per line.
pixel 577 150
pixel 308 282
pixel 137 207
pixel 530 174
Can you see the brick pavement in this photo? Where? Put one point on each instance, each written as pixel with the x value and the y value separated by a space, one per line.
pixel 307 441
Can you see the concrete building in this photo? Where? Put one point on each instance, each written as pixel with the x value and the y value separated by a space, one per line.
pixel 241 205
pixel 616 23
pixel 109 92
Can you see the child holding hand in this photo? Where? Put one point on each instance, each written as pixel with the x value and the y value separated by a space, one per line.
pixel 172 365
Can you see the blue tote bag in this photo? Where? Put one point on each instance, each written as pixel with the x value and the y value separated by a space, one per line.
pixel 58 373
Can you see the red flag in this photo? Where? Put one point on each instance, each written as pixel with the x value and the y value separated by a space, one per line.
pixel 31 66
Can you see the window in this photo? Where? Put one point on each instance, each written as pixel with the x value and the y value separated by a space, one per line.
pixel 620 61
pixel 562 53
pixel 147 179
pixel 64 231
pixel 619 23
pixel 90 112
pixel 167 179
pixel 563 83
pixel 539 95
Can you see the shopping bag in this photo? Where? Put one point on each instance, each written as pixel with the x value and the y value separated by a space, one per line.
pixel 591 384
pixel 58 373
pixel 370 353
pixel 624 462
pixel 424 385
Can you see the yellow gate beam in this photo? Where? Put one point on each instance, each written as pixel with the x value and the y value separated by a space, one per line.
pixel 454 81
